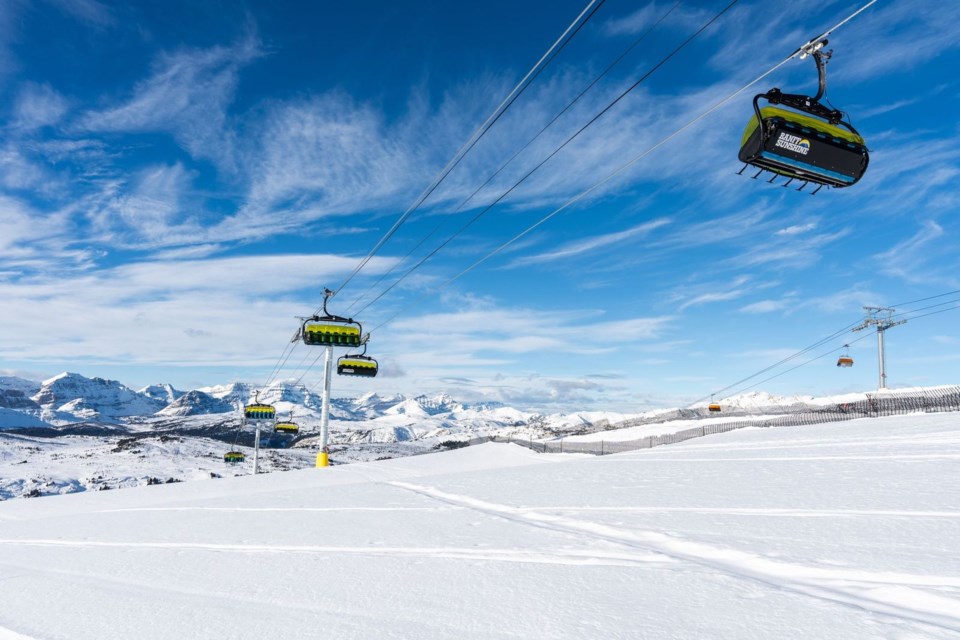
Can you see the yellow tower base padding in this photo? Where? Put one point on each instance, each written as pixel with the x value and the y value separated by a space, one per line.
pixel 323 459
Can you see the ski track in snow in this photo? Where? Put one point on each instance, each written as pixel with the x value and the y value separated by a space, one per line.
pixel 879 592
pixel 744 511
pixel 542 556
pixel 733 511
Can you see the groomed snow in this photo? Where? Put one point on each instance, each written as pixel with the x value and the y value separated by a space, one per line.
pixel 846 530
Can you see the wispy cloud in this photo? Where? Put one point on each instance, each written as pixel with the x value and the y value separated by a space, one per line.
pixel 149 209
pixel 91 12
pixel 927 256
pixel 18 172
pixel 594 243
pixel 708 292
pixel 227 310
pixel 850 300
pixel 765 306
pixel 797 229
pixel 519 331
pixel 871 112
pixel 645 17
pixel 719 296
pixel 187 94
pixel 30 236
pixel 38 105
pixel 912 36
pixel 789 251
pixel 330 153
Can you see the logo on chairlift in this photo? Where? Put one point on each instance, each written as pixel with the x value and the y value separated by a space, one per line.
pixel 793 143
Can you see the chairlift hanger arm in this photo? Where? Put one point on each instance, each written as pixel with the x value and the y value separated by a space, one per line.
pixel 327 294
pixel 800 102
pixel 804 103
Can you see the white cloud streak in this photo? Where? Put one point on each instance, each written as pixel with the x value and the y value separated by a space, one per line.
pixel 234 310
pixel 927 256
pixel 187 94
pixel 92 12
pixel 38 105
pixel 591 244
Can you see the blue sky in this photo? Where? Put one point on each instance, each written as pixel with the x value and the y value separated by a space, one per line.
pixel 179 180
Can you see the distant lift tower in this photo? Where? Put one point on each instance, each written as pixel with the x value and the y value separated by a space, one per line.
pixel 882 319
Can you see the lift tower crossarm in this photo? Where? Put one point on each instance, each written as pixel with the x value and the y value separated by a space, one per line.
pixel 882 319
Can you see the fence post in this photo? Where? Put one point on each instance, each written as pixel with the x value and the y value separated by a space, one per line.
pixel 601 447
pixel 561 445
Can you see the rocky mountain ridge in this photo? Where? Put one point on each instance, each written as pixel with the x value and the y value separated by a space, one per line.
pixel 73 398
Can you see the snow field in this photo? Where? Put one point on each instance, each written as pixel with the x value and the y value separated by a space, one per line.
pixel 846 530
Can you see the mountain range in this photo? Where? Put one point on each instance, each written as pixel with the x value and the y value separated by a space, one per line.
pixel 70 398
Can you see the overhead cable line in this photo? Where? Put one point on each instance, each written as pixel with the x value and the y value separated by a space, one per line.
pixel 813 346
pixel 583 194
pixel 936 312
pixel 544 60
pixel 570 139
pixel 531 75
pixel 282 361
pixel 309 367
pixel 620 169
pixel 504 165
pixel 802 364
pixel 834 350
pixel 909 315
pixel 941 295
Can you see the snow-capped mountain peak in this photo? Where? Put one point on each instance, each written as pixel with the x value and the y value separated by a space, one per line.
pixel 89 398
pixel 162 392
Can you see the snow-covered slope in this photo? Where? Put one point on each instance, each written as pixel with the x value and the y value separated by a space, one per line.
pixel 27 387
pixel 10 419
pixel 773 533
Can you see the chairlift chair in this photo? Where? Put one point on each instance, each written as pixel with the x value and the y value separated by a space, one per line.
pixel 845 360
pixel 287 427
pixel 808 142
pixel 329 330
pixel 360 364
pixel 714 406
pixel 259 412
pixel 234 457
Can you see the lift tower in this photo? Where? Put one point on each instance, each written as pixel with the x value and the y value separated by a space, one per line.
pixel 882 319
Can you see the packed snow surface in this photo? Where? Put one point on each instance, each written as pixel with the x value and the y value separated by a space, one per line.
pixel 845 530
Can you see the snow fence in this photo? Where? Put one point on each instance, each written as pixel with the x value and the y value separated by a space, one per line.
pixel 875 405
